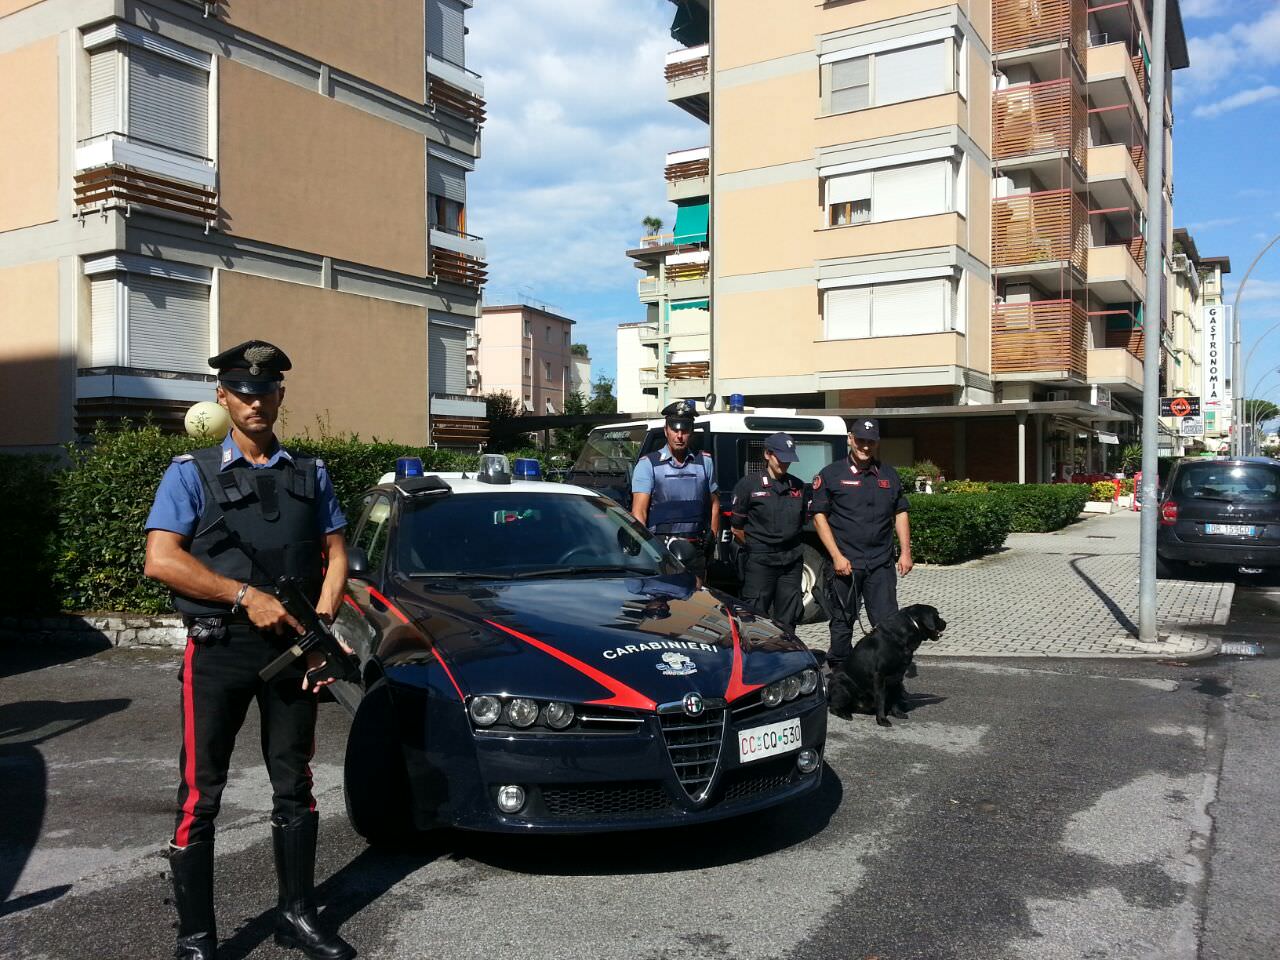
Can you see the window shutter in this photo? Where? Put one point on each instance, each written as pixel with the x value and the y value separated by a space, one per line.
pixel 168 324
pixel 446 180
pixel 848 187
pixel 850 84
pixel 918 190
pixel 848 313
pixel 104 87
pixel 168 103
pixel 911 73
pixel 446 31
pixel 103 324
pixel 447 360
pixel 917 307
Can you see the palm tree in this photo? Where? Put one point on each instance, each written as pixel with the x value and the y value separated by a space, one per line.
pixel 652 225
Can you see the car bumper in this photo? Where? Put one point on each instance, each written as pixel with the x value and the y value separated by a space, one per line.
pixel 1235 553
pixel 625 781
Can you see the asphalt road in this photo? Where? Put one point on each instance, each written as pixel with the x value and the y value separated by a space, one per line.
pixel 1060 810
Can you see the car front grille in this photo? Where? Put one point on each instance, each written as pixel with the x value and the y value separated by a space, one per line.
pixel 749 781
pixel 694 746
pixel 605 800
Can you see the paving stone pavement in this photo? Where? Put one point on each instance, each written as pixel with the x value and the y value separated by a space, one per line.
pixel 1072 593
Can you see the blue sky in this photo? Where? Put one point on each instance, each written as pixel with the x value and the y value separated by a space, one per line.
pixel 579 128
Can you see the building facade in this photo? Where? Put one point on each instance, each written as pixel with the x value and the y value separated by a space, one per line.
pixel 180 176
pixel 524 350
pixel 926 210
pixel 638 351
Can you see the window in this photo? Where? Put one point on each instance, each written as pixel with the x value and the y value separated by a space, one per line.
pixel 528 367
pixel 849 199
pixel 850 85
pixel 892 76
pixel 566 338
pixel 372 538
pixel 893 309
pixel 548 334
pixel 148 315
pixel 445 214
pixel 547 365
pixel 446 195
pixel 528 329
pixel 894 193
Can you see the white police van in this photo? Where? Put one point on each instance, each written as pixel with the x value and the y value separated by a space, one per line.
pixel 735 441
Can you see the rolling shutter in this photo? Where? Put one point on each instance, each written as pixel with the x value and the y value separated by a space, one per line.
pixel 168 324
pixel 911 73
pixel 104 87
pixel 447 359
pixel 848 187
pixel 847 313
pixel 446 180
pixel 918 190
pixel 850 84
pixel 168 103
pixel 103 324
pixel 446 31
pixel 917 307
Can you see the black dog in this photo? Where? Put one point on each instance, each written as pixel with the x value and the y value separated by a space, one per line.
pixel 871 679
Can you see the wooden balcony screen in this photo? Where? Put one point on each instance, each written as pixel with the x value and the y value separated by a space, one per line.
pixel 686 69
pixel 459 431
pixel 1138 153
pixel 453 267
pixel 1138 250
pixel 1140 68
pixel 1040 336
pixel 687 271
pixel 689 170
pixel 1018 24
pixel 1042 227
pixel 458 102
pixel 112 411
pixel 1037 117
pixel 1131 340
pixel 695 370
pixel 116 184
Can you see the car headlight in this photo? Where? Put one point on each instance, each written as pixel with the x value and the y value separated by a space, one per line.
pixel 772 694
pixel 521 712
pixel 485 711
pixel 557 715
pixel 808 681
pixel 791 687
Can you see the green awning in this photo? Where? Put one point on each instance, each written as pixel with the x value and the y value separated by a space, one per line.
pixel 691 222
pixel 690 304
pixel 691 25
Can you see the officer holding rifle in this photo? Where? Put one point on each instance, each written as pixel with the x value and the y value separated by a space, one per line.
pixel 227 521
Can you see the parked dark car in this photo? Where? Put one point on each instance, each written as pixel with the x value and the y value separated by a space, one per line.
pixel 1220 510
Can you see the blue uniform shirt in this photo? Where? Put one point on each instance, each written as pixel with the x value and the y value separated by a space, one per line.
pixel 180 496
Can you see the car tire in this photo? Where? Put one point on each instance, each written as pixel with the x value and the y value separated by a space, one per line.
pixel 1170 569
pixel 375 780
pixel 811 577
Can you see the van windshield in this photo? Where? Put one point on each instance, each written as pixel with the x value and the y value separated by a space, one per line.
pixel 1237 482
pixel 610 450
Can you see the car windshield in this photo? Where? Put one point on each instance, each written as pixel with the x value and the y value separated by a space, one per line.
pixel 1237 482
pixel 518 534
pixel 610 450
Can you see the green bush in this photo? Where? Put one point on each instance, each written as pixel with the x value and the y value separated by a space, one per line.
pixel 908 477
pixel 28 491
pixel 1043 507
pixel 958 527
pixel 1103 490
pixel 963 486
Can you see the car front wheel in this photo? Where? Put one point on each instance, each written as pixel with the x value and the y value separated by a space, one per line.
pixel 811 578
pixel 375 782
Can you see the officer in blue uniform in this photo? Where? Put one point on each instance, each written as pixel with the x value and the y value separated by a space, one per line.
pixel 213 508
pixel 768 518
pixel 858 508
pixel 674 492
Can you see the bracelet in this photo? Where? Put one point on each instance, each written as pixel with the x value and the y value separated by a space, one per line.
pixel 235 604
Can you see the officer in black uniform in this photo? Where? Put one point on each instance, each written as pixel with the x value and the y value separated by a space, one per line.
pixel 674 492
pixel 858 507
pixel 214 508
pixel 768 516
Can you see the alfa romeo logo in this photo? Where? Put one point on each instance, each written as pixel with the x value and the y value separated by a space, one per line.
pixel 693 705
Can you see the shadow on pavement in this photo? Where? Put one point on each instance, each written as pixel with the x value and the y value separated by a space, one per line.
pixel 1113 608
pixel 23 727
pixel 23 656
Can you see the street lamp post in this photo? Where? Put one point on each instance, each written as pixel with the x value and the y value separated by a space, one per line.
pixel 1239 374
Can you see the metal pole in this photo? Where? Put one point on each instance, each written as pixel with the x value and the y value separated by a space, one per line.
pixel 1153 334
pixel 1239 372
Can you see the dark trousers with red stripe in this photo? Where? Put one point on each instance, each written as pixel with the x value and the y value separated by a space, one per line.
pixel 219 681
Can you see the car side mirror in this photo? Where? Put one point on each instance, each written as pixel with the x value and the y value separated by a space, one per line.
pixel 683 551
pixel 357 563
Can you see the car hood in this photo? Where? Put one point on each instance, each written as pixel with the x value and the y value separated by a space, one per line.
pixel 626 642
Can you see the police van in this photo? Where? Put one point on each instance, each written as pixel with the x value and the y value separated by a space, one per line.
pixel 736 444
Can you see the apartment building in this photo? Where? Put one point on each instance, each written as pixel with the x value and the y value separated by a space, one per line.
pixel 930 211
pixel 523 349
pixel 179 176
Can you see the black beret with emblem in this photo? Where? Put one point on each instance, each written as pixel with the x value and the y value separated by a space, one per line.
pixel 253 367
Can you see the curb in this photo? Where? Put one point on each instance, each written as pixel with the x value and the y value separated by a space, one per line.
pixel 1206 649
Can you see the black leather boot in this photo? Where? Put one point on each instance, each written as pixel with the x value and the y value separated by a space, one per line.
pixel 192 870
pixel 297 926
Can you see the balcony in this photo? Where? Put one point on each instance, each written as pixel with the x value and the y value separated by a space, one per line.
pixel 114 172
pixel 455 90
pixel 457 257
pixel 1114 82
pixel 1044 338
pixel 458 420
pixel 688 274
pixel 649 289
pixel 1040 232
pixel 688 174
pixel 1039 118
pixel 1024 25
pixel 688 73
pixel 649 377
pixel 1114 178
pixel 1115 274
pixel 1120 330
pixel 1116 367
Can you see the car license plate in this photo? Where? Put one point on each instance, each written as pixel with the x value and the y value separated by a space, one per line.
pixel 769 741
pixel 1230 529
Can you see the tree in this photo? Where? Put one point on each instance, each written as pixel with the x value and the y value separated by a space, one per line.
pixel 1256 410
pixel 502 411
pixel 579 350
pixel 602 398
pixel 652 225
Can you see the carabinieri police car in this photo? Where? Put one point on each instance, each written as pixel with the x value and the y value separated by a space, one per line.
pixel 534 661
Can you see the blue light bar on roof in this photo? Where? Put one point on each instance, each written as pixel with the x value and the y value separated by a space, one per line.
pixel 408 467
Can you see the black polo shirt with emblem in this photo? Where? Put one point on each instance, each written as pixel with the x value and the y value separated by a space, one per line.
pixel 770 512
pixel 860 505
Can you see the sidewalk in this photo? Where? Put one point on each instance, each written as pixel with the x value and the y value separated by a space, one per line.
pixel 1073 593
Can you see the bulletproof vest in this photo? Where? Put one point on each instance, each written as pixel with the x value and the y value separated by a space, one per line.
pixel 267 512
pixel 681 498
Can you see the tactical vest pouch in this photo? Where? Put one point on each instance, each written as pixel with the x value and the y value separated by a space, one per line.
pixel 206 629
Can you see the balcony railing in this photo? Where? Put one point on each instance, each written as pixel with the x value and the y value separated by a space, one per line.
pixel 1121 329
pixel 1038 117
pixel 692 370
pixel 1020 24
pixel 678 272
pixel 688 164
pixel 1047 227
pixel 1040 336
pixel 455 100
pixel 686 64
pixel 115 185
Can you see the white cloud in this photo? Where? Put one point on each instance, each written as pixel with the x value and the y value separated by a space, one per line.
pixel 1215 224
pixel 1244 46
pixel 1243 98
pixel 1193 9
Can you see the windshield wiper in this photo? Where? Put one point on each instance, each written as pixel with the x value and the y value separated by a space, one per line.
pixel 575 571
pixel 459 575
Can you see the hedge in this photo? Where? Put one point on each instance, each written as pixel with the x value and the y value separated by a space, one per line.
pixel 1042 507
pixel 957 527
pixel 27 557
